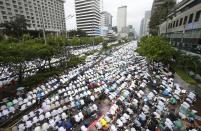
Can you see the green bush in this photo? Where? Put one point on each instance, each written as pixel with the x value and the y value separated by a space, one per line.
pixel 185 76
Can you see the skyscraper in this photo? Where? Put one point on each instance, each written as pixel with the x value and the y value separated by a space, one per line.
pixel 146 22
pixel 106 23
pixel 106 19
pixel 121 18
pixel 144 27
pixel 88 16
pixel 48 14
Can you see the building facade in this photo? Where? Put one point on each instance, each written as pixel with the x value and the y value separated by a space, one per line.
pixel 144 27
pixel 121 18
pixel 141 28
pixel 88 16
pixel 106 19
pixel 47 14
pixel 183 26
pixel 106 23
pixel 146 22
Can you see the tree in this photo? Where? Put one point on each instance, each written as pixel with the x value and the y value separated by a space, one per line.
pixel 79 33
pixel 156 49
pixel 15 28
pixel 159 15
pixel 75 41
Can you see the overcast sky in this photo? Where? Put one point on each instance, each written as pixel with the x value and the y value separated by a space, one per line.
pixel 135 8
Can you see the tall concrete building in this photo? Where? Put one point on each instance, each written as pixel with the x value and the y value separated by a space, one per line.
pixel 106 23
pixel 48 14
pixel 106 19
pixel 121 18
pixel 146 22
pixel 88 16
pixel 144 27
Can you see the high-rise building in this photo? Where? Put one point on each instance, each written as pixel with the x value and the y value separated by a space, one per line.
pixel 106 19
pixel 146 22
pixel 88 16
pixel 47 14
pixel 121 18
pixel 106 23
pixel 144 27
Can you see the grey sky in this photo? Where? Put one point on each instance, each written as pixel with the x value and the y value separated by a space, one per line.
pixel 136 10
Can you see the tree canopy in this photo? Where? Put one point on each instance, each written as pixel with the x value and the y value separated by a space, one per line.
pixel 156 49
pixel 80 33
pixel 159 15
pixel 16 27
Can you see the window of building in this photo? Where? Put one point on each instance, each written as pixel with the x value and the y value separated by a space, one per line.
pixel 181 21
pixel 177 23
pixel 197 16
pixel 185 19
pixel 174 24
pixel 190 18
pixel 4 17
pixel 3 12
pixel 169 26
